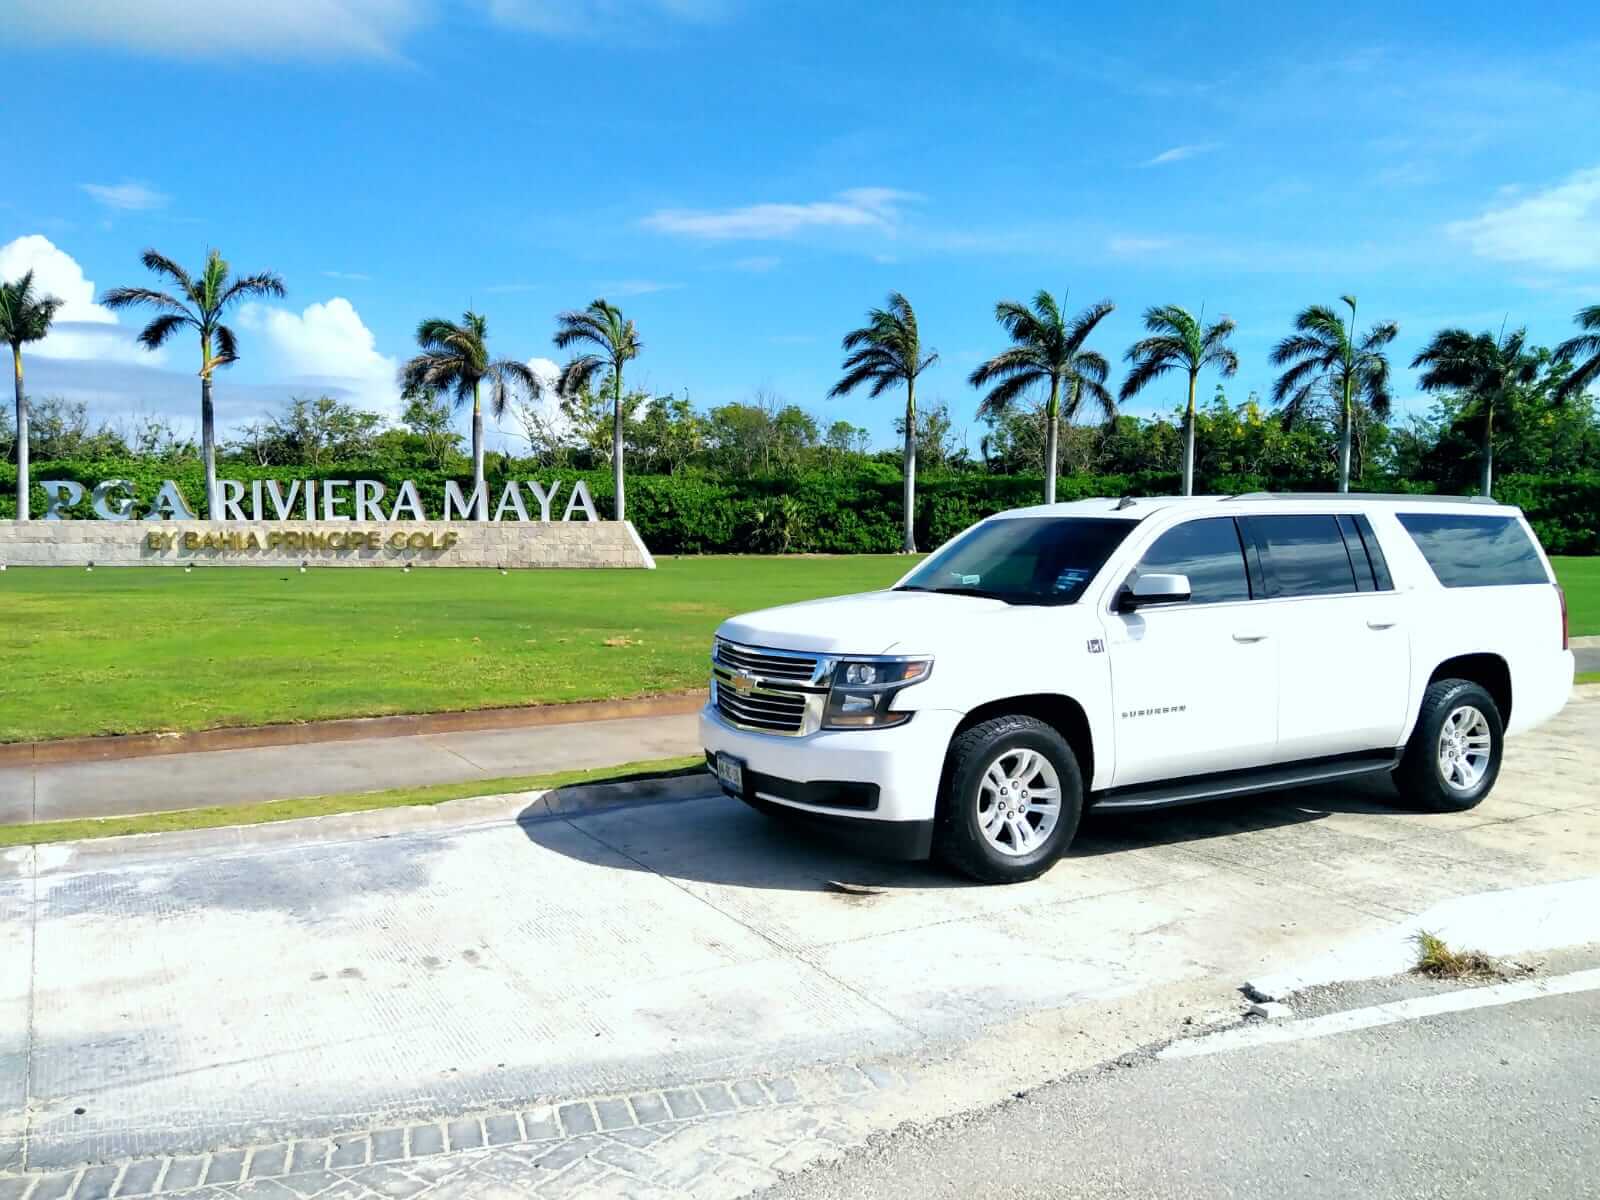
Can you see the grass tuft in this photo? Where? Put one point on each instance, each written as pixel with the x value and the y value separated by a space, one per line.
pixel 1439 960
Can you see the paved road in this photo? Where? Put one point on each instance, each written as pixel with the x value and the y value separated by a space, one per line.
pixel 1588 658
pixel 361 979
pixel 1497 1102
pixel 66 791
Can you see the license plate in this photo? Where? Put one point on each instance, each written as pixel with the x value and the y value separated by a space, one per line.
pixel 730 774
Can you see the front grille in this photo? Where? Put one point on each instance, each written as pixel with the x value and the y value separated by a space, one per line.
pixel 774 712
pixel 767 664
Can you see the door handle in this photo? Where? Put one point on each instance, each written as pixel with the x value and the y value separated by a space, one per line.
pixel 1249 637
pixel 1381 624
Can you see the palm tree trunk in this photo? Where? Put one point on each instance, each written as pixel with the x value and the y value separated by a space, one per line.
pixel 616 446
pixel 1485 488
pixel 909 541
pixel 480 488
pixel 22 437
pixel 1052 425
pixel 1344 441
pixel 1188 439
pixel 208 445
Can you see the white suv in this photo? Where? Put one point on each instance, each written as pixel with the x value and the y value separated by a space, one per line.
pixel 1139 653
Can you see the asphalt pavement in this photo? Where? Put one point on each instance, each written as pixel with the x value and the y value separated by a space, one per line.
pixel 1495 1102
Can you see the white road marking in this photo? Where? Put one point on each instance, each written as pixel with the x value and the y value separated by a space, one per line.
pixel 1273 1033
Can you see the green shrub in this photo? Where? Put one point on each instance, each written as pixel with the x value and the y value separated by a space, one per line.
pixel 818 512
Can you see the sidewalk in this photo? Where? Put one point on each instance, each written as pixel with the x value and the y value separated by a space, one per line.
pixel 549 1008
pixel 68 791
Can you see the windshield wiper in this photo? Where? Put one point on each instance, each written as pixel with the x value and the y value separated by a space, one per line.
pixel 981 593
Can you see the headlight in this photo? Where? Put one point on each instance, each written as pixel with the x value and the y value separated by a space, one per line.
pixel 864 687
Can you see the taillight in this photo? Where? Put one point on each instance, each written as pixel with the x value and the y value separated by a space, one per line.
pixel 1566 642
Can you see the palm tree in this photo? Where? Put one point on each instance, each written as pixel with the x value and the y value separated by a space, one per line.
pixel 25 316
pixel 1047 348
pixel 200 306
pixel 602 326
pixel 1323 354
pixel 884 352
pixel 1178 341
pixel 1486 370
pixel 1586 343
pixel 455 358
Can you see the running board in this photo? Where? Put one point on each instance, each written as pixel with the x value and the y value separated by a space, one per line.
pixel 1171 792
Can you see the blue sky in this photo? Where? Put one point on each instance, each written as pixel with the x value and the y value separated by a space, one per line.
pixel 746 178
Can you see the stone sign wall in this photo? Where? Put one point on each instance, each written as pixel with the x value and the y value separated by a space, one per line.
pixel 322 544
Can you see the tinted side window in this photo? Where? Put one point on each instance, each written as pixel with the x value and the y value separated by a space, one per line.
pixel 1303 556
pixel 1380 565
pixel 1472 551
pixel 1208 552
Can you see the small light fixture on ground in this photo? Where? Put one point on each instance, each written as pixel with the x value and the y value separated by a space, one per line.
pixel 302 568
pixel 89 567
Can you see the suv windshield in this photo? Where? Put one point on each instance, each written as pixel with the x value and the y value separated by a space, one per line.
pixel 1022 560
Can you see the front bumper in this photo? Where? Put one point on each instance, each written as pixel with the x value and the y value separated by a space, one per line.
pixel 904 764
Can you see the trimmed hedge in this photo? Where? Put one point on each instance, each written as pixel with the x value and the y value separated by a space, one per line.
pixel 819 512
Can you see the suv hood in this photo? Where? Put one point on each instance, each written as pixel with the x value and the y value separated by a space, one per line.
pixel 868 623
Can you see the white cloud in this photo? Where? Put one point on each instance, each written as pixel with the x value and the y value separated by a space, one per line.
pixel 82 328
pixel 1132 247
pixel 262 28
pixel 348 276
pixel 877 209
pixel 758 263
pixel 129 194
pixel 326 346
pixel 1179 153
pixel 603 18
pixel 1557 229
pixel 635 287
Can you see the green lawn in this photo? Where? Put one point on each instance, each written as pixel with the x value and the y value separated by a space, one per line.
pixel 133 650
pixel 125 651
pixel 1580 578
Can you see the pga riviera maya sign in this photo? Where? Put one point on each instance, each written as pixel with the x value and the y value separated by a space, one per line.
pixel 332 522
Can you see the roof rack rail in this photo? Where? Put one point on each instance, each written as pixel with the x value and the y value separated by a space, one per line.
pixel 1346 497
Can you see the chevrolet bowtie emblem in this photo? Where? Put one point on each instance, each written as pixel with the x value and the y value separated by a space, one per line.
pixel 743 683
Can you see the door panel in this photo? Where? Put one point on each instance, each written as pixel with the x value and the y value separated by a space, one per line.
pixel 1344 674
pixel 1195 690
pixel 1195 683
pixel 1344 659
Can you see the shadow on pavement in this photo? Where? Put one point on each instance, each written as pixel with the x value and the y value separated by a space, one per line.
pixel 717 840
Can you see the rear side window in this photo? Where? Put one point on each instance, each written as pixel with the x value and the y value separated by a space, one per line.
pixel 1208 552
pixel 1303 555
pixel 1475 551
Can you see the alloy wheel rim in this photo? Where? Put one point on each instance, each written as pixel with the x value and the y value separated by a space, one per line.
pixel 1465 745
pixel 1019 801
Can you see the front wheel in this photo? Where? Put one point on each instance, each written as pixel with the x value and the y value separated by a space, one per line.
pixel 1013 796
pixel 1453 757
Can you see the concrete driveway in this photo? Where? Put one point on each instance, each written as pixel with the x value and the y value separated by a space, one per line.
pixel 157 999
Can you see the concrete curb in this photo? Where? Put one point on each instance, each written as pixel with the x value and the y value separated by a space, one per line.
pixel 145 745
pixel 1546 916
pixel 518 808
pixel 1585 643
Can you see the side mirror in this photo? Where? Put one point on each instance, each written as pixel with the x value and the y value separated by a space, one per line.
pixel 1154 589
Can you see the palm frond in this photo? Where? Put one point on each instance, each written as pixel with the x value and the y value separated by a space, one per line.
pixel 155 334
pixel 134 297
pixel 1002 395
pixel 579 374
pixel 1147 369
pixel 263 283
pixel 1008 363
pixel 227 347
pixel 159 263
pixel 1297 378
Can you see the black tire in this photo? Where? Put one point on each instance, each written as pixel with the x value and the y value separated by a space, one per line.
pixel 958 838
pixel 1420 777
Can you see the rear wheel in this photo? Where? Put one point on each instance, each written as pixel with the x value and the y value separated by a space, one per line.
pixel 1013 797
pixel 1453 757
